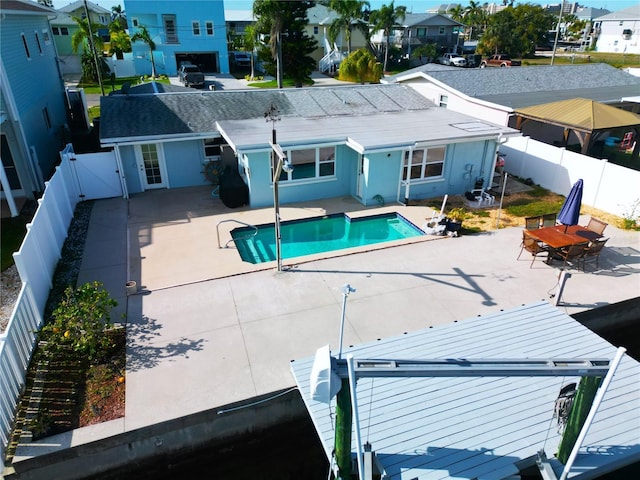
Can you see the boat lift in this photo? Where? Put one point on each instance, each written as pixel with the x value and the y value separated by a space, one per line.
pixel 329 374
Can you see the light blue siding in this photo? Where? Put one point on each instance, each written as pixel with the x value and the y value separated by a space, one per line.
pixel 184 163
pixel 149 13
pixel 34 82
pixel 261 189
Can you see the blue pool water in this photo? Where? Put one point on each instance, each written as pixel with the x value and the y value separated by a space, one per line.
pixel 320 234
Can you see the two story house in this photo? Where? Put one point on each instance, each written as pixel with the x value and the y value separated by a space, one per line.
pixel 186 31
pixel 33 112
pixel 63 26
pixel 619 32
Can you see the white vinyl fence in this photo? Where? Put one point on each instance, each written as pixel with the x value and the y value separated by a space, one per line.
pixel 36 262
pixel 608 187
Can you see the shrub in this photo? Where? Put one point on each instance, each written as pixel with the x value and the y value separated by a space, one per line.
pixel 79 322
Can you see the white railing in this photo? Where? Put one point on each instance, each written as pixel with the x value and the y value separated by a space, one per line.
pixel 607 187
pixel 36 262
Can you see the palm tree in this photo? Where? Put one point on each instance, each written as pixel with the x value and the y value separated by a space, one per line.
pixel 84 36
pixel 385 19
pixel 270 12
pixel 250 44
pixel 351 13
pixel 143 35
pixel 118 15
pixel 93 66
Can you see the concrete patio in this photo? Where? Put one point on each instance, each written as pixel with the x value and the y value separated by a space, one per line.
pixel 206 329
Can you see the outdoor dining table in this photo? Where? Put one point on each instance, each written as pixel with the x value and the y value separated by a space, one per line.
pixel 561 236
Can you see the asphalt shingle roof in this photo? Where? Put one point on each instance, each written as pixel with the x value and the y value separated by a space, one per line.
pixel 525 86
pixel 131 116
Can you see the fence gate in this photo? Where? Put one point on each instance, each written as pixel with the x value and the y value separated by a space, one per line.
pixel 96 174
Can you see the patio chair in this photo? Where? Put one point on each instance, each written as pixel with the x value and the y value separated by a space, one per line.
pixel 532 223
pixel 596 225
pixel 549 220
pixel 592 251
pixel 532 246
pixel 572 253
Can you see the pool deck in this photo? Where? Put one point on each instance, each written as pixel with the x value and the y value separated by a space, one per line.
pixel 206 329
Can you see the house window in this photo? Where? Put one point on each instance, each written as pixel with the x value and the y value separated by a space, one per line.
pixel 47 119
pixel 26 47
pixel 626 33
pixel 195 28
pixel 212 148
pixel 209 27
pixel 310 163
pixel 134 22
pixel 424 163
pixel 441 31
pixel 46 37
pixel 56 30
pixel 316 30
pixel 170 30
pixel 421 32
pixel 38 42
pixel 444 100
pixel 64 31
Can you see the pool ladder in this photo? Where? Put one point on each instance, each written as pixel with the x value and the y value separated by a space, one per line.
pixel 226 245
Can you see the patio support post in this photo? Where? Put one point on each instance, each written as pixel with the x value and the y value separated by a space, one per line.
pixel 277 167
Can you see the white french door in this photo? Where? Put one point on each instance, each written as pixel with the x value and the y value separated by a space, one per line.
pixel 151 166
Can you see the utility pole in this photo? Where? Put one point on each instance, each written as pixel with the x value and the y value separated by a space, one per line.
pixel 92 46
pixel 555 42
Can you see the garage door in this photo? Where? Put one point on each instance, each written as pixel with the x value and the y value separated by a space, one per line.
pixel 208 62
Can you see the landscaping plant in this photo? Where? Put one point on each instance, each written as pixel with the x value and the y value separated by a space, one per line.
pixel 79 323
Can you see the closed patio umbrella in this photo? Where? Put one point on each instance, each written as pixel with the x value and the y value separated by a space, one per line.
pixel 570 211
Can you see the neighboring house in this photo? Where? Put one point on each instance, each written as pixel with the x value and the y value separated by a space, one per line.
pixel 372 142
pixel 33 114
pixel 63 27
pixel 589 34
pixel 330 53
pixel 100 17
pixel 420 29
pixel 189 30
pixel 619 32
pixel 493 94
pixel 236 22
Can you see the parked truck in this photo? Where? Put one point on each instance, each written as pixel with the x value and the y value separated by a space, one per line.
pixel 499 61
pixel 190 75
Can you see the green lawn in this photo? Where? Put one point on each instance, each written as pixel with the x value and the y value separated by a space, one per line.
pixel 13 231
pixel 110 86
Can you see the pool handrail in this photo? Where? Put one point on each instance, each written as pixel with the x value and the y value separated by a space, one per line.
pixel 226 245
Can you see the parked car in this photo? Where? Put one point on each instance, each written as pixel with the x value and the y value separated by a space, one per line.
pixel 452 59
pixel 240 59
pixel 190 75
pixel 499 61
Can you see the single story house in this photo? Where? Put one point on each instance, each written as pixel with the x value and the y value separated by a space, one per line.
pixel 377 143
pixel 495 93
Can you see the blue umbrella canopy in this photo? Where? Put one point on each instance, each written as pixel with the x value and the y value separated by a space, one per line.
pixel 570 211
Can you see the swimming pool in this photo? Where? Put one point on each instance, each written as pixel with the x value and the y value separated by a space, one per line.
pixel 320 234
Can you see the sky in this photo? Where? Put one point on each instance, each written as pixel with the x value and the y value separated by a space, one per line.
pixel 416 6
